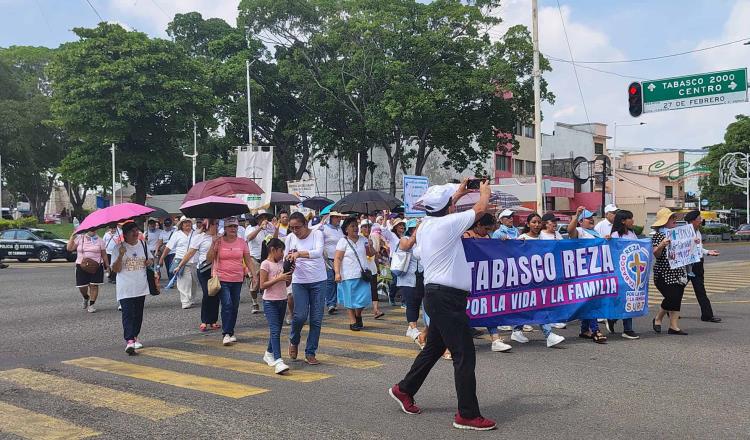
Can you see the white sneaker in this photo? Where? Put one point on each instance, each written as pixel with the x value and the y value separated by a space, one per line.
pixel 137 344
pixel 268 358
pixel 119 308
pixel 227 340
pixel 233 339
pixel 518 336
pixel 280 367
pixel 91 309
pixel 554 339
pixel 499 345
pixel 559 325
pixel 130 348
pixel 528 328
pixel 187 306
pixel 412 333
pixel 505 328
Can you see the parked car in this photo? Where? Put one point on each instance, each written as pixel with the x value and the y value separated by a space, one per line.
pixel 743 230
pixel 25 243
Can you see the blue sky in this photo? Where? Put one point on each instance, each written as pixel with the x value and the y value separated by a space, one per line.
pixel 597 29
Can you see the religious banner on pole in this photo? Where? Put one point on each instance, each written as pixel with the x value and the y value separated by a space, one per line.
pixel 685 247
pixel 256 163
pixel 303 189
pixel 414 188
pixel 541 281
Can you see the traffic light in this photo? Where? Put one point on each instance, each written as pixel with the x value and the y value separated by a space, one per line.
pixel 635 99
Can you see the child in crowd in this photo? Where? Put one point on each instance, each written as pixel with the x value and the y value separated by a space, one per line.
pixel 273 282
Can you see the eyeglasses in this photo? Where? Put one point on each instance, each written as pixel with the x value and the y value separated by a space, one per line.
pixel 230 226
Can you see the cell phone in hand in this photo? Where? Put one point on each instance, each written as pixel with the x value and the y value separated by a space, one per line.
pixel 474 183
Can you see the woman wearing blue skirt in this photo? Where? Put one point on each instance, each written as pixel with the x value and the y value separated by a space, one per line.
pixel 351 272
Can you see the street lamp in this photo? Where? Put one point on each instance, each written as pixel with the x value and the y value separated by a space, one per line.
pixel 614 153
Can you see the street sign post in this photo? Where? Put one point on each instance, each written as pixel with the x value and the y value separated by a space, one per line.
pixel 714 88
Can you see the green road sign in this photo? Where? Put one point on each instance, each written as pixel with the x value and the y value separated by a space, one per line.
pixel 725 87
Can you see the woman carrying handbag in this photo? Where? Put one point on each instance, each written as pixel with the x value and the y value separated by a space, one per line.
pixel 199 248
pixel 352 276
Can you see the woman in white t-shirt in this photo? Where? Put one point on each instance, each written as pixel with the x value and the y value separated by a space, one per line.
pixel 198 252
pixel 305 251
pixel 349 263
pixel 532 231
pixel 622 227
pixel 131 260
pixel 549 227
pixel 180 242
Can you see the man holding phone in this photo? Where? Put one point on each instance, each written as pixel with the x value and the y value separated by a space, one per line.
pixel 447 286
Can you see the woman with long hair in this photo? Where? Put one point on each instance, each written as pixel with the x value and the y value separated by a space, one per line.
pixel 670 282
pixel 231 261
pixel 349 265
pixel 622 227
pixel 199 248
pixel 532 231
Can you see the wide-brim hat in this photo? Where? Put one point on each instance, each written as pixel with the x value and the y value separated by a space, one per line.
pixel 397 222
pixel 662 217
pixel 182 220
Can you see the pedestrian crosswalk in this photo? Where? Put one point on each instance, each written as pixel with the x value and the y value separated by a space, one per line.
pixel 719 278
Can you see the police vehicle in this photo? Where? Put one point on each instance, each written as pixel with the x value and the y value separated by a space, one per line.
pixel 24 243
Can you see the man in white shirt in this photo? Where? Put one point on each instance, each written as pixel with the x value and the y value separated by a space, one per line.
pixel 255 236
pixel 447 285
pixel 153 235
pixel 604 227
pixel 331 235
pixel 166 235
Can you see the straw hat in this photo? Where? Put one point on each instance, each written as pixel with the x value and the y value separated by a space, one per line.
pixel 662 217
pixel 182 220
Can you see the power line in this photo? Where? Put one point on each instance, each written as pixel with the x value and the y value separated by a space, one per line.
pixel 575 69
pixel 661 57
pixel 593 68
pixel 95 11
pixel 160 8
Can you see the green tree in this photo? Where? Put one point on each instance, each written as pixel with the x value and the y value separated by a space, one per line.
pixel 115 86
pixel 736 139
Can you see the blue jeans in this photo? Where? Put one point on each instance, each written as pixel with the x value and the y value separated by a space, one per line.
pixel 330 288
pixel 589 324
pixel 546 329
pixel 627 325
pixel 229 295
pixel 309 300
pixel 168 264
pixel 274 311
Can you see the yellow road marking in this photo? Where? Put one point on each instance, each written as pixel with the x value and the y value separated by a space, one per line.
pixel 94 395
pixel 28 424
pixel 365 334
pixel 341 361
pixel 232 364
pixel 174 378
pixel 354 346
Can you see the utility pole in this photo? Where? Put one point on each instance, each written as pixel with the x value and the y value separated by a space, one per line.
pixel 537 107
pixel 114 199
pixel 194 156
pixel 747 188
pixel 248 63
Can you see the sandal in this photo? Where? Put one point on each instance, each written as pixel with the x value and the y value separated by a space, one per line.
pixel 203 327
pixel 586 336
pixel 599 338
pixel 379 315
pixel 215 326
pixel 292 351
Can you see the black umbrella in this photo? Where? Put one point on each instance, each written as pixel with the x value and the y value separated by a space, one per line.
pixel 279 198
pixel 214 207
pixel 158 212
pixel 365 202
pixel 316 203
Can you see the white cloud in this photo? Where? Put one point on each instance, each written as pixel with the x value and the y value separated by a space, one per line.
pixel 156 14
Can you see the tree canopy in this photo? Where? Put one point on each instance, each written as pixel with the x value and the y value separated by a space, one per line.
pixel 736 139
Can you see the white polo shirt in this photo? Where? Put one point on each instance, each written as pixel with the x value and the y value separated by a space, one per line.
pixel 441 252
pixel 604 227
pixel 331 237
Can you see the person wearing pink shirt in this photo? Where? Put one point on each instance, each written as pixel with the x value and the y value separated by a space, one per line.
pixel 91 248
pixel 228 254
pixel 273 282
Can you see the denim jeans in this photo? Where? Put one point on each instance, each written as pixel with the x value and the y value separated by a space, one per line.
pixel 274 311
pixel 168 264
pixel 392 289
pixel 589 325
pixel 132 316
pixel 210 304
pixel 330 288
pixel 546 329
pixel 309 300
pixel 229 296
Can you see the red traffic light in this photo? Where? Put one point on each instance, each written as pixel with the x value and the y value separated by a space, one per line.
pixel 633 90
pixel 635 99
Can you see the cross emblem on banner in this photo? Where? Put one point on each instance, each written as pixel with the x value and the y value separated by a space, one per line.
pixel 639 267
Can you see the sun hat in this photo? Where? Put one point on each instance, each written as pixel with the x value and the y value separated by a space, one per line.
pixel 550 216
pixel 183 219
pixel 437 197
pixel 610 208
pixel 662 217
pixel 397 222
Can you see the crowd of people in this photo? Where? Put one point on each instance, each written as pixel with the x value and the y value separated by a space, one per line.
pixel 300 267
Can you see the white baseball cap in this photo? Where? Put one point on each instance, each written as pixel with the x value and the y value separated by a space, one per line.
pixel 506 213
pixel 610 208
pixel 437 197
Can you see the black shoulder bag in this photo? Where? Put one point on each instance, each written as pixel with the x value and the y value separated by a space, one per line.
pixel 366 273
pixel 153 288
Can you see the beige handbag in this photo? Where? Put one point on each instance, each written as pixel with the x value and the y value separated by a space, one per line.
pixel 214 284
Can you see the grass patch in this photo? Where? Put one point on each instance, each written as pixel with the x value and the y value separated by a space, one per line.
pixel 63 231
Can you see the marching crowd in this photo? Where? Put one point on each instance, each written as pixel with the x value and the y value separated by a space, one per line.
pixel 301 267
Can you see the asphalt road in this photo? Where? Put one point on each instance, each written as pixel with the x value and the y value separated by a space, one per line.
pixel 659 386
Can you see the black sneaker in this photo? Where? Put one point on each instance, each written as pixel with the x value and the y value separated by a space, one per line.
pixel 630 334
pixel 476 333
pixel 611 325
pixel 332 310
pixel 354 327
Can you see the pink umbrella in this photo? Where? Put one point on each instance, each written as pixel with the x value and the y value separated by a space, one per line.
pixel 112 214
pixel 223 186
pixel 214 207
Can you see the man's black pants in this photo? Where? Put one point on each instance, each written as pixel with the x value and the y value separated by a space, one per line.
pixel 700 291
pixel 449 328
